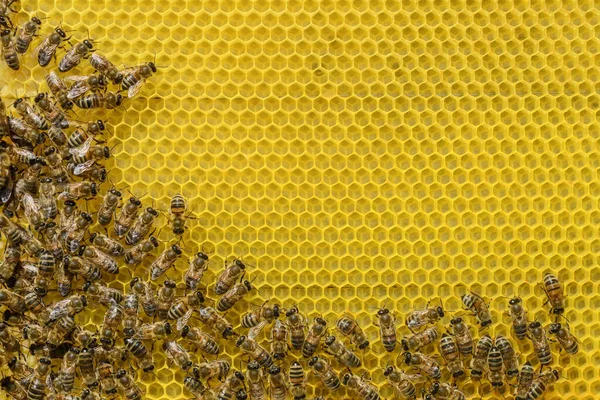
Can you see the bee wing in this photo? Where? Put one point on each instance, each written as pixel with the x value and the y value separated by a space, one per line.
pixel 82 168
pixel 84 148
pixel 181 322
pixel 76 78
pixel 133 90
pixel 28 202
pixel 254 332
pixel 58 310
pixel 78 90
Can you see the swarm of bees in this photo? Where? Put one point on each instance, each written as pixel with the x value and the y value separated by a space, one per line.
pixel 60 259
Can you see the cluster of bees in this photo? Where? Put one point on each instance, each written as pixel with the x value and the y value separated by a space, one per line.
pixel 60 259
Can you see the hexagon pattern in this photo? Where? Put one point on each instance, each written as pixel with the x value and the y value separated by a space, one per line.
pixel 361 153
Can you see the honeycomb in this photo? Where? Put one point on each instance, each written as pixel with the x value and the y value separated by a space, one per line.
pixel 357 153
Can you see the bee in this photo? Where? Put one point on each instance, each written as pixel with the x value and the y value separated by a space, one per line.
pixel 102 294
pixel 231 385
pixel 107 245
pixel 46 199
pixel 419 318
pixel 9 53
pixel 100 259
pixel 12 301
pixel 13 389
pixel 58 87
pixel 341 353
pixel 77 190
pixel 105 67
pixel 325 373
pixel 107 380
pixel 74 236
pixel 565 338
pixel 313 338
pixel 424 363
pixel 264 313
pixel 37 387
pixel 449 350
pixel 420 339
pixel 3 120
pixel 12 258
pixel 228 277
pixel 47 264
pixel 30 115
pixel 518 314
pixel 296 324
pixel 56 170
pixel 84 268
pixel 31 244
pixel 297 380
pixel 196 268
pixel 195 387
pixel 214 370
pixel 26 34
pixel 74 55
pixel 477 305
pixel 47 49
pixel 84 83
pixel 106 100
pixel 85 158
pixel 8 340
pixel 219 324
pixel 540 385
pixel 68 307
pixel 140 352
pixel 350 328
pixel 66 375
pixel 401 382
pixel 360 388
pixel 279 344
pixel 177 354
pixel 21 372
pixel 164 261
pixel 7 176
pixel 185 305
pixel 540 343
pixel 136 254
pixel 178 208
pixel 67 215
pixel 52 113
pixel 133 80
pixel 555 293
pixel 22 155
pixel 479 360
pixel 444 391
pixel 87 370
pixel 255 380
pixel 233 295
pixel 25 136
pixel 145 294
pixel 128 386
pixel 386 322
pixel 495 366
pixel 10 231
pixel 108 207
pixel 141 226
pixel 277 383
pixel 254 351
pixel 509 357
pixel 130 321
pixel 165 297
pixel 525 380
pixel 111 323
pixel 462 335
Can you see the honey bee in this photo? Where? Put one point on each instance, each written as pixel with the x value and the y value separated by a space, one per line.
pixel 325 373
pixel 130 321
pixel 12 301
pixel 4 130
pixel 56 170
pixel 46 199
pixel 21 372
pixel 541 383
pixel 444 391
pixel 74 55
pixel 316 331
pixel 31 244
pixel 12 258
pixel 84 83
pixel 52 113
pixel 177 354
pixel 128 386
pixel 107 245
pixel 196 268
pixel 219 324
pixel 10 231
pixel 215 370
pixel 165 297
pixel 254 351
pixel 255 380
pixel 525 380
pixel 20 155
pixel 9 53
pixel 141 226
pixel 140 352
pixel 13 389
pixel 145 294
pixel 77 190
pixel 229 389
pixel 111 323
pixel 509 357
pixel 102 294
pixel 136 254
pixel 100 259
pixel 264 313
pixel 67 307
pixel 341 353
pixel 75 233
pixel 229 276
pixel 30 115
pixel 401 382
pixel 555 293
pixel 419 318
pixel 47 49
pixel 63 326
pixel 449 350
pixel 107 380
pixel 565 338
pixel 360 388
pixel 32 212
pixel 164 261
pixel 57 87
pixel 277 383
pixel 85 363
pixel 495 367
pixel 9 342
pixel 200 340
pixel 178 208
pixel 105 67
pixel 233 295
pixel 477 305
pixel 462 335
pixel 518 314
pixel 38 386
pixel 84 158
pixel 81 267
pixel 196 388
pixel 183 307
pixel 297 380
pixel 296 324
pixel 106 100
pixel 133 80
pixel 386 322
pixel 25 136
pixel 424 364
pixel 127 217
pixel 66 374
pixel 26 34
pixel 350 328
pixel 108 207
pixel 67 215
pixel 540 343
pixel 479 360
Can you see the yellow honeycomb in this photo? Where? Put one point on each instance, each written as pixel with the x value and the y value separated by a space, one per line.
pixel 360 152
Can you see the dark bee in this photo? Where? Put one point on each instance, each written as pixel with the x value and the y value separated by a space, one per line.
pixel 74 55
pixel 200 340
pixel 12 301
pixel 360 388
pixel 74 235
pixel 141 226
pixel 341 353
pixel 47 50
pixel 87 369
pixel 38 386
pixel 196 268
pixel 128 386
pixel 518 314
pixel 277 383
pixel 325 373
pixel 566 339
pixel 52 113
pixel 133 80
pixel 131 320
pixel 136 254
pixel 84 83
pixel 107 245
pixel 477 305
pixel 127 216
pixel 555 293
pixel 106 100
pixel 233 295
pixel 105 67
pixel 449 350
pixel 229 389
pixel 313 338
pixel 145 294
pixel 13 389
pixel 424 363
pixel 219 324
pixel 214 370
pixel 479 360
pixel 30 115
pixel 495 367
pixel 58 89
pixel 178 354
pixel 228 277
pixel 164 261
pixel 47 200
pixel 255 381
pixel 165 298
pixel 462 335
pixel 9 53
pixel 296 324
pixel 400 382
pixel 185 304
pixel 541 383
pixel 419 318
pixel 351 329
pixel 77 190
pixel 541 346
pixel 526 377
pixel 66 374
pixel 264 313
pixel 108 207
pixel 26 34
pixel 140 352
pixel 386 322
pixel 254 351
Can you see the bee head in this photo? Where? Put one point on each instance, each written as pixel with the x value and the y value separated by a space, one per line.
pixel 320 321
pixel 456 320
pixel 60 32
pixel 39 97
pixel 555 327
pixel 184 331
pixel 516 300
pixel 388 370
pixel 291 311
pixel 383 311
pixel 407 358
pixel 168 330
pixel 152 66
pixel 274 370
pixel 88 44
pixel 248 285
pixel 346 379
pixel 154 241
pixel 329 340
pixel 276 311
pixel 440 311
pixel 202 256
pixel 240 340
pixel 36 20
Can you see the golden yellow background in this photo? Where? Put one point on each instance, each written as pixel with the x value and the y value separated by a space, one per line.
pixel 362 153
